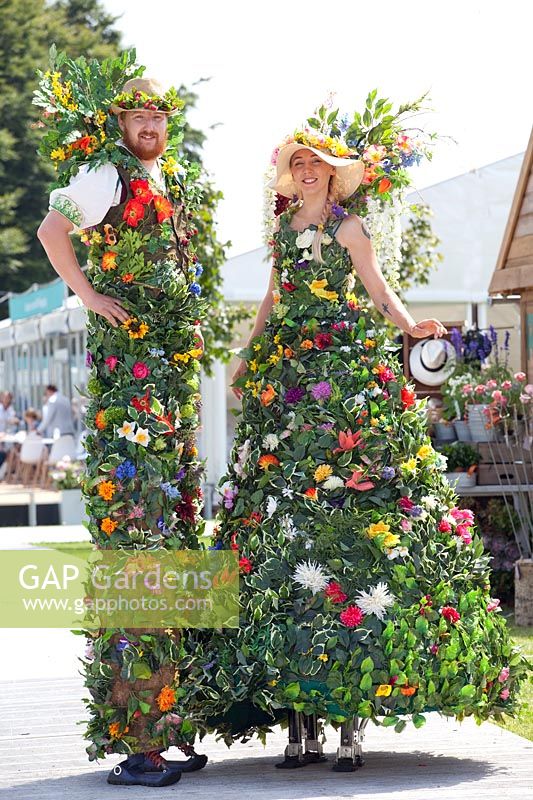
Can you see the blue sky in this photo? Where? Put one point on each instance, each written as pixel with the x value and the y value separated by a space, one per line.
pixel 271 64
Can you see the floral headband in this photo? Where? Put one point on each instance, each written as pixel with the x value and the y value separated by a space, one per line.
pixel 169 103
pixel 328 144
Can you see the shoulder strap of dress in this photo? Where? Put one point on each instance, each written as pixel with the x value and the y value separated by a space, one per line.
pixel 334 227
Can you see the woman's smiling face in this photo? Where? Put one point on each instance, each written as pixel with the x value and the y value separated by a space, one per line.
pixel 310 173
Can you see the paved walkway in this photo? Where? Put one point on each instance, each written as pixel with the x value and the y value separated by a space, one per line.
pixel 42 756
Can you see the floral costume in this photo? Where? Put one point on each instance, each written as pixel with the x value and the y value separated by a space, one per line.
pixel 364 588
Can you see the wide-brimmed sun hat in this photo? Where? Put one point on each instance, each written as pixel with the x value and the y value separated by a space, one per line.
pixel 149 95
pixel 431 361
pixel 349 170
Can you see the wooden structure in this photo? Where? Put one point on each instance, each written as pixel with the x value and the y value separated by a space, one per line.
pixel 514 269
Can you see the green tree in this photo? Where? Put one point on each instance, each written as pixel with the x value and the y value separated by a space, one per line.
pixel 420 255
pixel 27 27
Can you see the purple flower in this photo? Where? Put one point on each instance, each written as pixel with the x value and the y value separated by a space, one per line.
pixel 230 493
pixel 388 473
pixel 294 394
pixel 337 502
pixel 180 474
pixel 338 211
pixel 88 359
pixel 327 426
pixel 217 546
pixel 415 511
pixel 321 391
pixel 301 264
pixel 457 341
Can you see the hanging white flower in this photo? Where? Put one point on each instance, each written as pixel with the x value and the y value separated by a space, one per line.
pixel 271 507
pixel 376 600
pixel 333 482
pixel 384 223
pixel 305 239
pixel 270 441
pixel 310 575
pixel 269 205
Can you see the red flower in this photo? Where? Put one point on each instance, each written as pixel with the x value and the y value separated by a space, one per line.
pixel 142 191
pixel 133 212
pixel 405 503
pixel 385 374
pixel 352 616
pixel 384 185
pixel 234 545
pixel 163 207
pixel 408 397
pixel 140 370
pixel 143 404
pixel 334 592
pixel 323 340
pixel 245 565
pixel 450 614
pixel 185 509
pixel 444 526
pixel 357 483
pixel 111 362
pixel 288 286
pixel 348 440
pixel 312 493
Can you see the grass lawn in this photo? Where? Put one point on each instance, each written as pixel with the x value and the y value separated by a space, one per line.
pixel 522 725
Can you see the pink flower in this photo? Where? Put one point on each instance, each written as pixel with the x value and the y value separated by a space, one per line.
pixel 480 388
pixel 111 362
pixel 497 396
pixel 466 537
pixel 386 375
pixel 140 370
pixel 334 591
pixel 493 604
pixel 467 388
pixel 405 503
pixel 504 694
pixel 520 377
pixel 407 525
pixel 461 530
pixel 434 649
pixel 450 614
pixel 492 384
pixel 507 385
pixel 444 526
pixel 504 674
pixel 352 616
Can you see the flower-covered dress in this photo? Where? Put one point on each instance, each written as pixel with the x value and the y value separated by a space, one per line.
pixel 364 588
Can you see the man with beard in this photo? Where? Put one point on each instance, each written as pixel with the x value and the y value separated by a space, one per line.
pixel 129 211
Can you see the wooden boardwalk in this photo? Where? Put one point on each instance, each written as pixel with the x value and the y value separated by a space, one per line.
pixel 42 757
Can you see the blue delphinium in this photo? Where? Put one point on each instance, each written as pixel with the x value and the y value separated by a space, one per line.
pixel 126 470
pixel 195 289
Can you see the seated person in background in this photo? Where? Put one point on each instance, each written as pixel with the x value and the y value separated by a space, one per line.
pixel 31 419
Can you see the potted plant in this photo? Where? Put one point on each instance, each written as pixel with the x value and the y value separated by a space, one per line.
pixel 462 459
pixel 66 476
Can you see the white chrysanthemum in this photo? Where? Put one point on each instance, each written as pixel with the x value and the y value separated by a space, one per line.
pixel 333 482
pixel 345 348
pixel 375 601
pixel 430 501
pixel 310 575
pixel 271 506
pixel 291 425
pixel 270 441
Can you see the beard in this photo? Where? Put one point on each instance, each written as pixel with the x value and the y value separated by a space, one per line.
pixel 145 150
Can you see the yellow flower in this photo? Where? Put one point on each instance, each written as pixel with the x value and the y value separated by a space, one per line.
pixel 136 329
pixel 181 358
pixel 273 683
pixel 101 117
pixel 254 387
pixel 58 154
pixel 370 343
pixel 409 465
pixel 383 690
pixel 257 347
pixel 374 421
pixel 425 451
pixel 276 296
pixel 323 657
pixel 318 288
pixel 277 338
pixel 376 528
pixel 391 540
pixel 371 385
pixel 322 472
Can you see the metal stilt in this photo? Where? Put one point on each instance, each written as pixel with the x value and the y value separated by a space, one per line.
pixel 294 750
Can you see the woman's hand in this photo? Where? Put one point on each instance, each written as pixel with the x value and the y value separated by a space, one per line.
pixel 239 372
pixel 427 327
pixel 107 307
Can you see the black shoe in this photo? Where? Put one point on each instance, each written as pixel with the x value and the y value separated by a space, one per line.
pixel 142 769
pixel 191 764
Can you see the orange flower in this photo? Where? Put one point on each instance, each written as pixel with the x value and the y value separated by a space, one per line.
pixel 312 493
pixel 100 420
pixel 108 525
pixel 128 277
pixel 115 732
pixel 268 395
pixel 357 482
pixel 269 460
pixel 307 344
pixel 369 176
pixel 107 489
pixel 163 207
pixel 166 698
pixel 108 260
pixel 384 185
pixel 407 690
pixel 288 352
pixel 133 212
pixel 348 440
